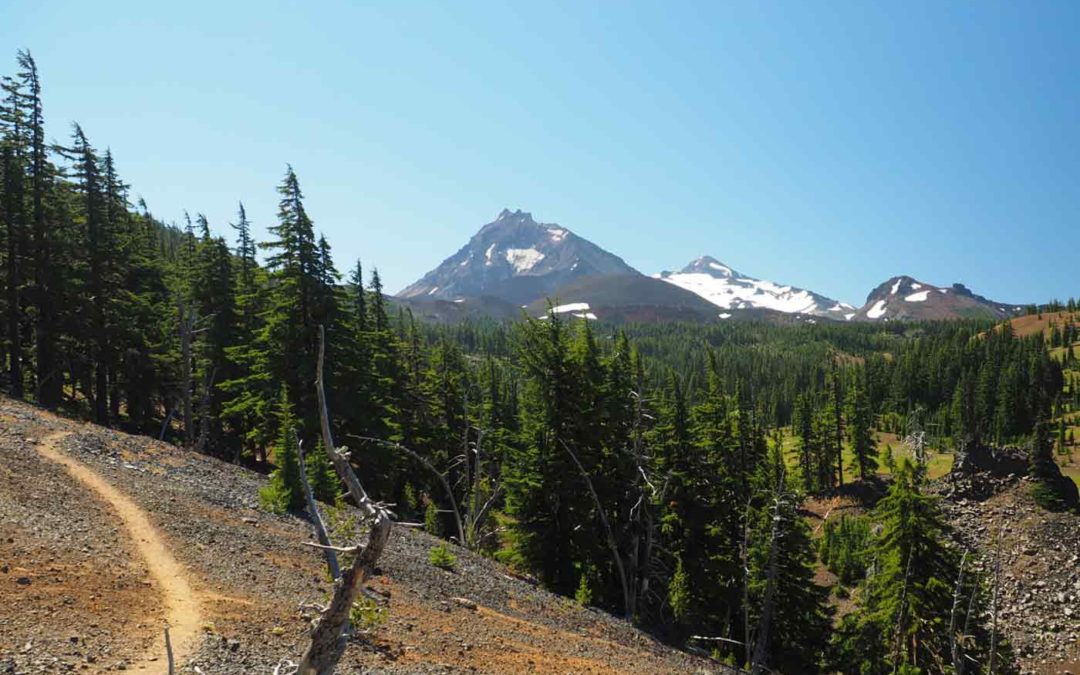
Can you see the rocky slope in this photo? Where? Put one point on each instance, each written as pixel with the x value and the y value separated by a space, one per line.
pixel 988 505
pixel 74 595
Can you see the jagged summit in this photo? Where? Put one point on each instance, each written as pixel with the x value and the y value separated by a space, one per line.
pixel 905 298
pixel 518 260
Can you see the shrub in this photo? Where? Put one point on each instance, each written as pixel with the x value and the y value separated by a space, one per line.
pixel 273 497
pixel 366 615
pixel 584 594
pixel 441 557
pixel 432 521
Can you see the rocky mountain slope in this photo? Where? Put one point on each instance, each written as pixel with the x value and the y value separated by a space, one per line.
pixel 88 598
pixel 986 499
pixel 518 260
pixel 903 298
pixel 727 289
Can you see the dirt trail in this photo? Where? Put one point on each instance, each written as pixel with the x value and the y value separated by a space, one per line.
pixel 182 612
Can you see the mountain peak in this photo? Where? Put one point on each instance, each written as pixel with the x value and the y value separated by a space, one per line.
pixel 507 214
pixel 906 298
pixel 518 260
pixel 707 264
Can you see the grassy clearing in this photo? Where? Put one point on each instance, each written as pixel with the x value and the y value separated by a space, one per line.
pixel 939 464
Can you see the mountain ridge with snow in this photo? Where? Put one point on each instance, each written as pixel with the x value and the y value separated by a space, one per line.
pixel 904 298
pixel 721 285
pixel 515 263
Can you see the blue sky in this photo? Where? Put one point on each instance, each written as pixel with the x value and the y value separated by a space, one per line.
pixel 829 144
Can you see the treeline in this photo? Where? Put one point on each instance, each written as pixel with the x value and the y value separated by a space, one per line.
pixel 644 470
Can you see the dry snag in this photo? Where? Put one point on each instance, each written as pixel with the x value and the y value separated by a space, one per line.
pixel 329 634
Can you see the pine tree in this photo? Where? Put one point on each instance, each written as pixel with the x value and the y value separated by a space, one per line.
pixel 903 620
pixel 98 245
pixel 321 475
pixel 860 427
pixel 13 159
pixel 285 491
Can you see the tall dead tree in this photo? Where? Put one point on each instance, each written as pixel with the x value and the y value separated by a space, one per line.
pixel 187 317
pixel 329 634
pixel 760 654
pixel 957 654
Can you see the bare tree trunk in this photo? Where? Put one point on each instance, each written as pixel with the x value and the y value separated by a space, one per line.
pixel 957 657
pixel 316 517
pixel 628 603
pixel 204 422
pixel 169 652
pixel 328 636
pixel 761 640
pixel 187 327
pixel 994 606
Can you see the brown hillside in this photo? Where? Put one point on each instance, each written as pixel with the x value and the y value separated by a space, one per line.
pixel 82 586
pixel 1032 324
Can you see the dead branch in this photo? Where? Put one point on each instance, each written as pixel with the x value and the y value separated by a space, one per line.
pixel 612 543
pixel 345 550
pixel 431 467
pixel 329 635
pixel 958 663
pixel 168 652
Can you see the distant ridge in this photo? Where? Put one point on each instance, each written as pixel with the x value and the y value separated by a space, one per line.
pixel 903 298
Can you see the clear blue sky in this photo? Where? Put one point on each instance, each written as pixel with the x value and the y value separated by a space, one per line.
pixel 826 144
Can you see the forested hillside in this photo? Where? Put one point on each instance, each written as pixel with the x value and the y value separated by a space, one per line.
pixel 655 471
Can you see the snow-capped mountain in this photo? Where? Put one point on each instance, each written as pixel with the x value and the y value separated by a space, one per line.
pixel 727 289
pixel 518 260
pixel 903 298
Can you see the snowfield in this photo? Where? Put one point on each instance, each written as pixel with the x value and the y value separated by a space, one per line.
pixel 572 307
pixel 921 296
pixel 523 259
pixel 578 310
pixel 877 311
pixel 742 292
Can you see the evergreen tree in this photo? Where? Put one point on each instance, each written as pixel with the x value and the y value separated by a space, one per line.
pixel 285 491
pixel 860 428
pixel 788 612
pixel 903 620
pixel 321 475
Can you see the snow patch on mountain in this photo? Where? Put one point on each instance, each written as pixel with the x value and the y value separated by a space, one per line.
pixel 523 259
pixel 921 296
pixel 727 289
pixel 571 307
pixel 578 310
pixel 877 311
